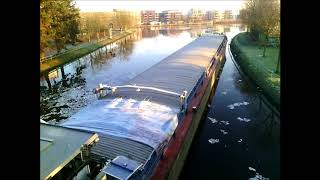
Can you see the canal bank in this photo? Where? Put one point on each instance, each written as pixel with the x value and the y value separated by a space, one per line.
pixel 258 68
pixel 71 55
pixel 239 138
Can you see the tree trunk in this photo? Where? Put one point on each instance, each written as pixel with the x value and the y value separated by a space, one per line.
pixel 64 81
pixel 264 50
pixel 57 46
pixel 265 46
pixel 278 64
pixel 48 80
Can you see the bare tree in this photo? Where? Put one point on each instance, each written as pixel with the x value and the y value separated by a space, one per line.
pixel 268 13
pixel 262 16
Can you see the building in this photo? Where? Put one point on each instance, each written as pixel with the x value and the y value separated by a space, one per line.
pixel 227 15
pixel 149 16
pixel 209 16
pixel 170 17
pixel 195 15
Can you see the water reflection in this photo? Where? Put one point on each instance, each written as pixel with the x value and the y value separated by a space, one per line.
pixel 71 85
pixel 253 131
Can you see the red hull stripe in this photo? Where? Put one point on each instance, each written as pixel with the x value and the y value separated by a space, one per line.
pixel 173 148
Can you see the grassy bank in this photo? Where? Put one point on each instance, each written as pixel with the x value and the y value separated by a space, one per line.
pixel 248 55
pixel 74 54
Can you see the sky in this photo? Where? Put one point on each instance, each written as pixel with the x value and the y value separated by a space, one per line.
pixel 157 5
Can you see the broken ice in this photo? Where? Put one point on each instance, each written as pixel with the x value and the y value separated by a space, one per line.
pixel 258 177
pixel 252 169
pixel 231 106
pixel 243 119
pixel 225 122
pixel 212 141
pixel 223 131
pixel 212 120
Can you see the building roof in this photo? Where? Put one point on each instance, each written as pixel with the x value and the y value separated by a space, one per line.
pixel 59 145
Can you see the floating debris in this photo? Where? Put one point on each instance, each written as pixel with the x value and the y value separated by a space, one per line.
pixel 239 80
pixel 252 169
pixel 231 106
pixel 213 141
pixel 212 120
pixel 209 105
pixel 223 131
pixel 239 141
pixel 243 119
pixel 225 146
pixel 225 122
pixel 138 90
pixel 224 92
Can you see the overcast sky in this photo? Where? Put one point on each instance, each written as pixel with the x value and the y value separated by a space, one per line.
pixel 184 6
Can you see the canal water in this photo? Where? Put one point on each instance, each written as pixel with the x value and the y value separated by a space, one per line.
pixel 72 84
pixel 237 138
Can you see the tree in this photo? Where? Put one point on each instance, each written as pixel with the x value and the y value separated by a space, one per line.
pixel 268 13
pixel 124 19
pixel 262 18
pixel 45 26
pixel 58 22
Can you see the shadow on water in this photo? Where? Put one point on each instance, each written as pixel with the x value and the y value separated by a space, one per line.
pixel 248 131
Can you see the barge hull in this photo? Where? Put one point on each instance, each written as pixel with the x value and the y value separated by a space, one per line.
pixel 175 154
pixel 180 161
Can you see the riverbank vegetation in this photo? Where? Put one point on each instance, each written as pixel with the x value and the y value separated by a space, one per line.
pixel 63 27
pixel 260 69
pixel 74 54
pixel 58 24
pixel 258 50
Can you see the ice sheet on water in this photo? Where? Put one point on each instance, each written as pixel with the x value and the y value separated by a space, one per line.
pixel 223 131
pixel 225 122
pixel 243 119
pixel 213 141
pixel 212 120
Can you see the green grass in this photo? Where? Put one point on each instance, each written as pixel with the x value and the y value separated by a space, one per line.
pixel 75 54
pixel 248 54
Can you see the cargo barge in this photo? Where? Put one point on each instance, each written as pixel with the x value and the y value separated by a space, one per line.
pixel 146 126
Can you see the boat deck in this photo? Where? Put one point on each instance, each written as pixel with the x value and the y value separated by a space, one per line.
pixel 176 73
pixel 110 147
